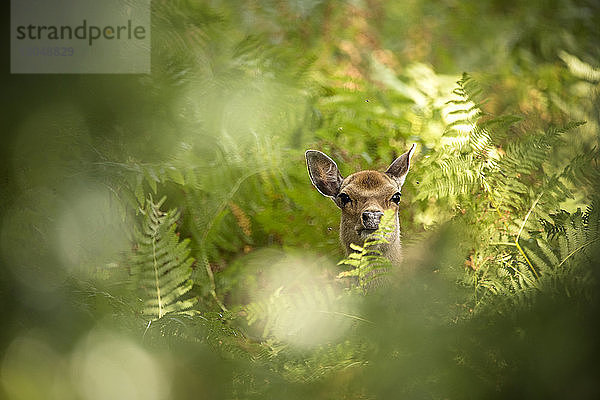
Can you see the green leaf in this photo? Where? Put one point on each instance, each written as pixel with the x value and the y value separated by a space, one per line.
pixel 161 266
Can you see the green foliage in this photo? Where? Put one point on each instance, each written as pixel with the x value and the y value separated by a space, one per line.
pixel 565 254
pixel 481 157
pixel 280 312
pixel 232 293
pixel 367 263
pixel 161 265
pixel 555 261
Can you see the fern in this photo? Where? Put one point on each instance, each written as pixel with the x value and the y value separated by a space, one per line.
pixel 480 155
pixel 582 171
pixel 571 236
pixel 510 185
pixel 560 257
pixel 467 152
pixel 300 325
pixel 520 175
pixel 312 366
pixel 368 265
pixel 161 263
pixel 283 313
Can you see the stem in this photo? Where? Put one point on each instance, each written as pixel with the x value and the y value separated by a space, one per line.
pixel 528 214
pixel 345 315
pixel 226 201
pixel 156 281
pixel 146 330
pixel 213 287
pixel 527 259
pixel 521 230
pixel 208 228
pixel 576 250
pixel 534 283
pixel 516 243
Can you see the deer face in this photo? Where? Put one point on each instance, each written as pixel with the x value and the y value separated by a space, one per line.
pixel 362 196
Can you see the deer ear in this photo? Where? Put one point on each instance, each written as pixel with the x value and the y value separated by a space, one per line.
pixel 324 173
pixel 399 168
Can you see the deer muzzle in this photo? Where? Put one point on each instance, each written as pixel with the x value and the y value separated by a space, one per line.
pixel 370 219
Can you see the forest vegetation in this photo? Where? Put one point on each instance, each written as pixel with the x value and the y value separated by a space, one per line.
pixel 160 237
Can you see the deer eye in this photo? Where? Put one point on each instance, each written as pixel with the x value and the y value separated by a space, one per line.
pixel 396 197
pixel 344 198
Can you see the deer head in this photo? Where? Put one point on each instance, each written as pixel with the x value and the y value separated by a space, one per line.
pixel 362 197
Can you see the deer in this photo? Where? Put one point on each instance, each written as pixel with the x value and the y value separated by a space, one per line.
pixel 362 197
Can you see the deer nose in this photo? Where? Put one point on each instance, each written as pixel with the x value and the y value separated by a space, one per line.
pixel 370 219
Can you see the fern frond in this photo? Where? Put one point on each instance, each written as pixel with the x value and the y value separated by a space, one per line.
pixel 519 174
pixel 582 171
pixel 161 263
pixel 561 256
pixel 368 265
pixel 291 312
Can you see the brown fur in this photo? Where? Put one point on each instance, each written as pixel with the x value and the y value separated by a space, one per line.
pixel 368 191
